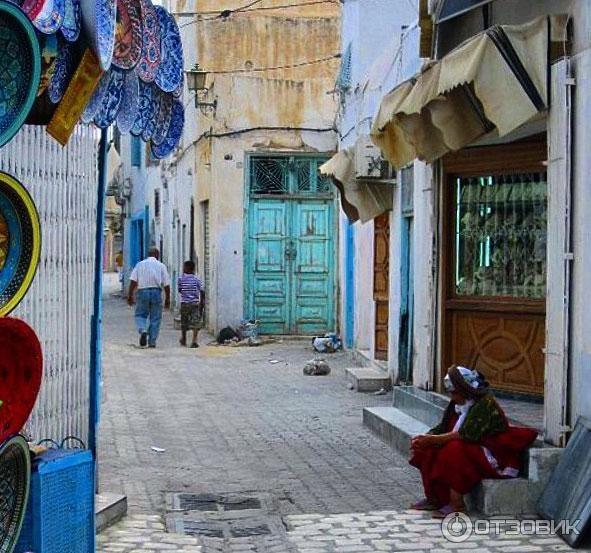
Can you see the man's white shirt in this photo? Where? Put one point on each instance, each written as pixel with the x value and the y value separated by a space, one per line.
pixel 150 273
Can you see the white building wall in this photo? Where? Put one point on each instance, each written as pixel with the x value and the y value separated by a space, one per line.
pixel 384 41
pixel 63 184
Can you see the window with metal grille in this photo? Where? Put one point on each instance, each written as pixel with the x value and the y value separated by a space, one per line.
pixel 289 175
pixel 136 151
pixel 500 235
pixel 157 203
pixel 344 78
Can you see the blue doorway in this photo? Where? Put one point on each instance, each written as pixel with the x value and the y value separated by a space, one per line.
pixel 349 232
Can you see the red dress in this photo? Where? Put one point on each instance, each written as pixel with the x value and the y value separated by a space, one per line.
pixel 460 464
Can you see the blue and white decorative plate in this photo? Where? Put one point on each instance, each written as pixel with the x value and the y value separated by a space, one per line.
pixel 152 114
pixel 111 101
pixel 95 100
pixel 129 103
pixel 163 119
pixel 72 20
pixel 143 110
pixel 50 17
pixel 150 58
pixel 98 18
pixel 20 69
pixel 175 131
pixel 64 69
pixel 170 71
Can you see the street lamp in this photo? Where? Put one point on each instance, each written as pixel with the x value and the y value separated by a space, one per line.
pixel 196 82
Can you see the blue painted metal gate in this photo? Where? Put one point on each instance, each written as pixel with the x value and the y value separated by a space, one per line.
pixel 290 246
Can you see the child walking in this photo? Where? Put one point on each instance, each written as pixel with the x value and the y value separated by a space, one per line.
pixel 192 302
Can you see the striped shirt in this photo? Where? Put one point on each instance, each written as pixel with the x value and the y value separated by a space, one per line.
pixel 150 273
pixel 190 288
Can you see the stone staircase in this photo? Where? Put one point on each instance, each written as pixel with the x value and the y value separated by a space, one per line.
pixel 414 411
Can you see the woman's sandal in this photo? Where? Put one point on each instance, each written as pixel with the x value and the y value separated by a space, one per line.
pixel 447 510
pixel 424 505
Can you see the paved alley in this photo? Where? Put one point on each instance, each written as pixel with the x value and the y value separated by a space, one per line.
pixel 232 420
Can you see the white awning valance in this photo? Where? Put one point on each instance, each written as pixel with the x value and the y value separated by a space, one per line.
pixel 494 82
pixel 361 200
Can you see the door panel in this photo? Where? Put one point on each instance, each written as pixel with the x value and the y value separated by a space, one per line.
pixel 269 223
pixel 381 284
pixel 313 266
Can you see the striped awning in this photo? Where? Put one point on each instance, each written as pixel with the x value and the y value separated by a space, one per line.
pixel 493 83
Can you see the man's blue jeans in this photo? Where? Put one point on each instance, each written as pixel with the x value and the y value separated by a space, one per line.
pixel 148 312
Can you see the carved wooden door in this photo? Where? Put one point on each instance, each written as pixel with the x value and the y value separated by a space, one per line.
pixel 381 284
pixel 495 264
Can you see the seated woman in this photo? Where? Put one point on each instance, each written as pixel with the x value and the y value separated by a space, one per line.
pixel 472 442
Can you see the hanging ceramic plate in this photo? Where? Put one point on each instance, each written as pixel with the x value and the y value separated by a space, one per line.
pixel 49 52
pixel 129 103
pixel 64 68
pixel 128 34
pixel 170 71
pixel 32 8
pixel 150 57
pixel 163 119
pixel 98 19
pixel 143 110
pixel 20 243
pixel 50 18
pixel 21 367
pixel 175 131
pixel 72 20
pixel 20 69
pixel 152 114
pixel 15 479
pixel 107 111
pixel 95 100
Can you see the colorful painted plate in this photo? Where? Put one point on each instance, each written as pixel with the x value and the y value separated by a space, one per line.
pixel 152 114
pixel 50 18
pixel 144 106
pixel 95 100
pixel 170 70
pixel 72 20
pixel 20 243
pixel 98 19
pixel 175 131
pixel 163 119
pixel 20 69
pixel 49 52
pixel 128 34
pixel 107 111
pixel 15 479
pixel 129 103
pixel 64 68
pixel 150 58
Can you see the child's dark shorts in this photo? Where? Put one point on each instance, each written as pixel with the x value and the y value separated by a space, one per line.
pixel 191 317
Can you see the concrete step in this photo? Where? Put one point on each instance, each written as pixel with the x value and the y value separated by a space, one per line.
pixel 109 509
pixel 368 379
pixel 392 426
pixel 427 407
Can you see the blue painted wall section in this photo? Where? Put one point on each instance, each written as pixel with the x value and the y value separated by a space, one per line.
pixel 349 231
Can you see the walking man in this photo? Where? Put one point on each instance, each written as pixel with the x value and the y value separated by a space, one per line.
pixel 148 278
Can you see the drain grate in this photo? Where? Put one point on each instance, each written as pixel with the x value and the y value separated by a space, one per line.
pixel 250 531
pixel 202 529
pixel 240 504
pixel 194 502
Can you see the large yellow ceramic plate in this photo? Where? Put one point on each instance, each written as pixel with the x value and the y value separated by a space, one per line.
pixel 20 242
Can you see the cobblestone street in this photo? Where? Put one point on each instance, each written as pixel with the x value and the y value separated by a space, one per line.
pixel 232 422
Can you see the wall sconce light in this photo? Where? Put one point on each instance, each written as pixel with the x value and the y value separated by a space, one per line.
pixel 196 82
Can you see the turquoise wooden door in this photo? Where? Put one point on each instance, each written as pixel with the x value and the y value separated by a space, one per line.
pixel 290 250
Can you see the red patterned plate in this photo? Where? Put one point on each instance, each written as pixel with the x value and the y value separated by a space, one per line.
pixel 21 367
pixel 128 34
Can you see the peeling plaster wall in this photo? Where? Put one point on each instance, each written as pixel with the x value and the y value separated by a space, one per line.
pixel 294 106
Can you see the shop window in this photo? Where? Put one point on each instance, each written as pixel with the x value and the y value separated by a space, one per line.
pixel 157 203
pixel 500 235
